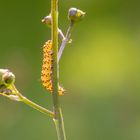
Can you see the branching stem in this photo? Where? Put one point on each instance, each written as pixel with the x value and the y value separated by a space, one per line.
pixel 58 119
pixel 65 41
pixel 37 107
pixel 32 104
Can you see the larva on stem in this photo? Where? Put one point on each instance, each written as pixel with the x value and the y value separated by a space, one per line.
pixel 46 73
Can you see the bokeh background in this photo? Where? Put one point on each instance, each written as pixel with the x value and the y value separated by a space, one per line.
pixel 100 70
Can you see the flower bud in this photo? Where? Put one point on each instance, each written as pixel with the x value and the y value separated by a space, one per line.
pixel 75 14
pixel 2 71
pixel 6 77
pixel 47 20
pixel 9 78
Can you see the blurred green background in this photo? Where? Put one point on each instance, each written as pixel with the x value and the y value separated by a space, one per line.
pixel 100 70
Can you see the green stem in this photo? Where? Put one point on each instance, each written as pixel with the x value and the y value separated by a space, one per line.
pixel 37 107
pixel 59 124
pixel 32 104
pixel 58 119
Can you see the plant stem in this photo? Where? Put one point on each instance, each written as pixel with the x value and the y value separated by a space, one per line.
pixel 59 124
pixel 58 119
pixel 32 104
pixel 65 41
pixel 61 35
pixel 37 107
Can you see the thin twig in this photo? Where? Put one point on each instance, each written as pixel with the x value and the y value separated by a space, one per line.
pixel 37 107
pixel 65 41
pixel 61 35
pixel 32 104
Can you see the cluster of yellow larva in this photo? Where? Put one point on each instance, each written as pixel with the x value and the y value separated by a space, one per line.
pixel 46 73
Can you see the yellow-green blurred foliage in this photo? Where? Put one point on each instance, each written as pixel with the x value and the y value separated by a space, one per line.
pixel 100 70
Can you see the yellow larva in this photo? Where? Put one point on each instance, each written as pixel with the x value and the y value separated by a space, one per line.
pixel 46 73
